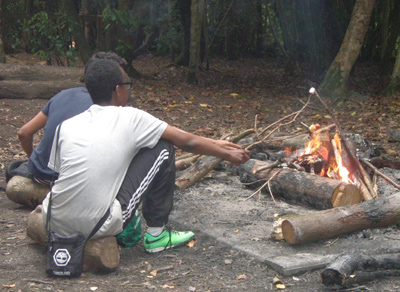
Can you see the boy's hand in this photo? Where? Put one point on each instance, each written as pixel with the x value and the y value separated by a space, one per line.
pixel 238 156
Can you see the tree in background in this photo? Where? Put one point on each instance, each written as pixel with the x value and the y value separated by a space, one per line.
pixel 394 84
pixel 338 73
pixel 197 10
pixel 2 52
pixel 302 35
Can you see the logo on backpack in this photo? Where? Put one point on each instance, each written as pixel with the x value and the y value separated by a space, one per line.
pixel 61 257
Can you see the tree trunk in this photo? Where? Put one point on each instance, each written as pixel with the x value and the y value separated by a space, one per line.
pixel 338 73
pixel 232 34
pixel 195 38
pixel 394 32
pixel 2 52
pixel 394 84
pixel 101 254
pixel 78 34
pixel 385 27
pixel 26 30
pixel 26 191
pixel 326 224
pixel 300 186
pixel 185 14
pixel 37 81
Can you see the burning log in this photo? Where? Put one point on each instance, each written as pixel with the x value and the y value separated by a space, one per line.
pixel 312 190
pixel 101 254
pixel 343 266
pixel 326 224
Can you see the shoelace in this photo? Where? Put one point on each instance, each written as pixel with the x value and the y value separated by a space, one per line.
pixel 168 228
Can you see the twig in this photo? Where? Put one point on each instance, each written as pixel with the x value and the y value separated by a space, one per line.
pixel 39 281
pixel 262 140
pixel 257 191
pixel 331 243
pixel 295 114
pixel 187 274
pixel 377 172
pixel 269 186
pixel 364 174
pixel 265 184
pixel 255 125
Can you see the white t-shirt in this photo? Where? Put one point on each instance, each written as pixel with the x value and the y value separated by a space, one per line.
pixel 94 151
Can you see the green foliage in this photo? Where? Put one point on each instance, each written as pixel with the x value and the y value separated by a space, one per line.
pixel 125 23
pixel 51 38
pixel 171 38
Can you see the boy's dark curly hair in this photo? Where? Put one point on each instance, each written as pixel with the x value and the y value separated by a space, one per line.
pixel 108 56
pixel 101 78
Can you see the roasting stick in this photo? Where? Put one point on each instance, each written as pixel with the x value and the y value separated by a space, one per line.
pixel 364 174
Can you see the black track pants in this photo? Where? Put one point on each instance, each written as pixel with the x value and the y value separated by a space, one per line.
pixel 150 179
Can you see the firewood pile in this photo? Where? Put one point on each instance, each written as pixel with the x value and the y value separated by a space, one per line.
pixel 320 167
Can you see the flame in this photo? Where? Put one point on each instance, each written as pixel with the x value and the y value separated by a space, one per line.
pixel 315 150
pixel 339 168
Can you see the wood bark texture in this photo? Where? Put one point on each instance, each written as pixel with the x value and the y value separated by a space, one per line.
pixel 197 171
pixel 326 224
pixel 301 187
pixel 20 81
pixel 339 71
pixel 337 272
pixel 101 254
pixel 25 191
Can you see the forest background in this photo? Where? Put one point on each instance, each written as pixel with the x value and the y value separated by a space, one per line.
pixel 331 36
pixel 251 61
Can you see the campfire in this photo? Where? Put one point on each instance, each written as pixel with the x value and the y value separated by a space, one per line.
pixel 322 156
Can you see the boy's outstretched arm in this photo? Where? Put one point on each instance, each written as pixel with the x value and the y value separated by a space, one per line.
pixel 206 146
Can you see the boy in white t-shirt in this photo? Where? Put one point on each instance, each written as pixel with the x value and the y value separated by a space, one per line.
pixel 113 156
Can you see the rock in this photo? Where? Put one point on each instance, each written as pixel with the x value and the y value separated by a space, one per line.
pixel 394 135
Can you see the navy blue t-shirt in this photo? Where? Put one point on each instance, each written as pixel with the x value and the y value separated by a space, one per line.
pixel 62 106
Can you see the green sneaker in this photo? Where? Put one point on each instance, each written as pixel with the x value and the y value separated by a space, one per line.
pixel 166 240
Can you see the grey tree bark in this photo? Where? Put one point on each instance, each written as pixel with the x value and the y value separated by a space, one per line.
pixel 2 53
pixel 394 84
pixel 197 10
pixel 338 73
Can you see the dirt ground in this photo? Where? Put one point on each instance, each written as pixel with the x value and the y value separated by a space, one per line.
pixel 227 100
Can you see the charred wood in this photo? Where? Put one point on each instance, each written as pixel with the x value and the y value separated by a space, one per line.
pixel 338 272
pixel 301 187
